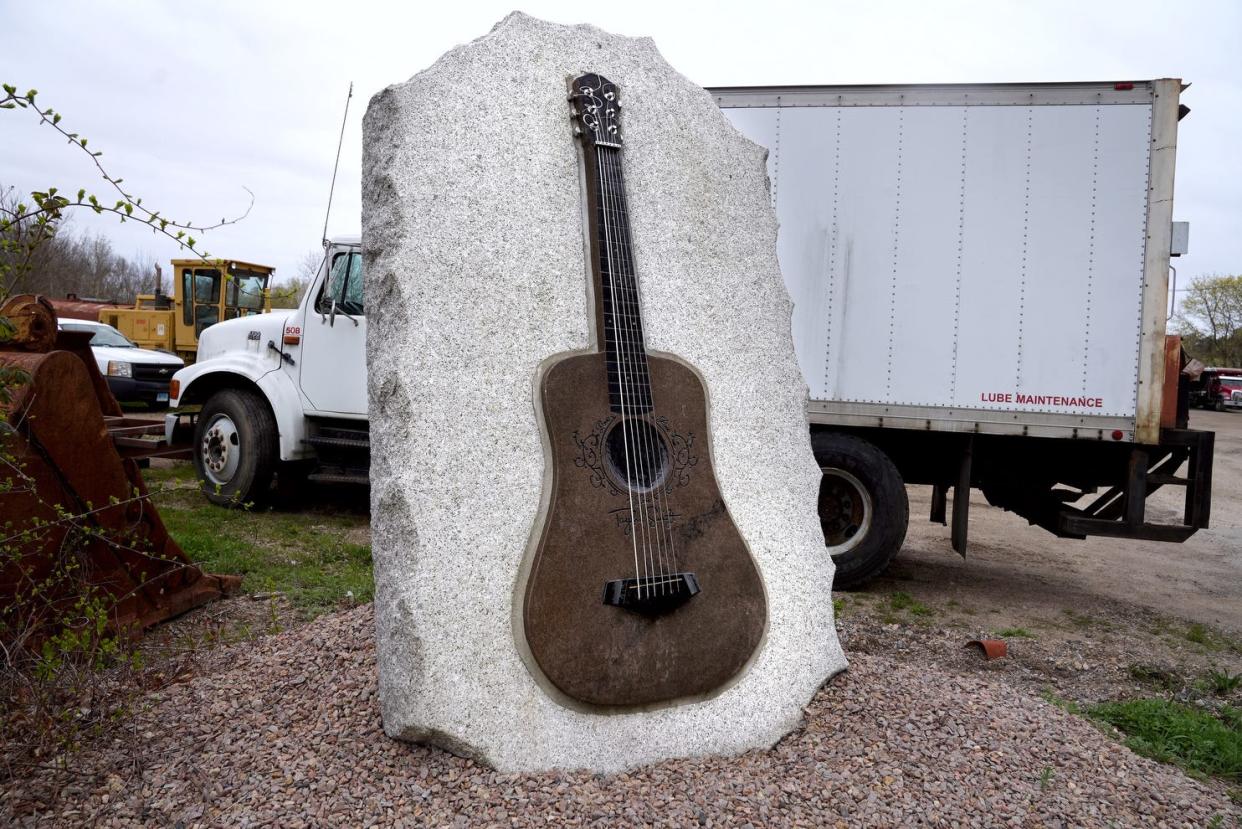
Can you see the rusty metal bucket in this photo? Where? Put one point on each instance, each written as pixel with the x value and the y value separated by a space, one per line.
pixel 69 498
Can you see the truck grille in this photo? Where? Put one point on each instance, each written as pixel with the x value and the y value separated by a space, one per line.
pixel 154 371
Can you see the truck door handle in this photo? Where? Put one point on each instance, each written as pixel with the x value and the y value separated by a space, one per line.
pixel 272 345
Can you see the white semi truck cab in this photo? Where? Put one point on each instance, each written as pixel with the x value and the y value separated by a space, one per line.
pixel 282 394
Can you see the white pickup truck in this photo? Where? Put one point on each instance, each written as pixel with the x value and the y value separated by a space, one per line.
pixel 283 394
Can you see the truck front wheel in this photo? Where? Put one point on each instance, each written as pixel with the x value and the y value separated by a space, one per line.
pixel 235 448
pixel 863 507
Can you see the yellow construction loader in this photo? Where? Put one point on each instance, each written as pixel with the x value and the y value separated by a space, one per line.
pixel 204 293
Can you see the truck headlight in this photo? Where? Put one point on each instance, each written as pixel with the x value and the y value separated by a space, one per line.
pixel 119 368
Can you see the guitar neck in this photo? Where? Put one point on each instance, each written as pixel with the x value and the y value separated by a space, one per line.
pixel 617 307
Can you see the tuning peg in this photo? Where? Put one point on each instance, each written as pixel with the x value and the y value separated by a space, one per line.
pixel 573 112
pixel 577 132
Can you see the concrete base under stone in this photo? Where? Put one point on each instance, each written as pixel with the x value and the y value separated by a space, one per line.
pixel 474 238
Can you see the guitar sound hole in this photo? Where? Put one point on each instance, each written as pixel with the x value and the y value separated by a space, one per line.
pixel 636 455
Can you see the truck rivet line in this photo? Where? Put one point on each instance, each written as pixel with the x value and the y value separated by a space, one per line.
pixel 776 152
pixel 1095 178
pixel 1026 230
pixel 835 232
pixel 961 234
pixel 892 296
pixel 1145 238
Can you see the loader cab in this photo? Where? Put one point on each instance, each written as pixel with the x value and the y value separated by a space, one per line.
pixel 208 292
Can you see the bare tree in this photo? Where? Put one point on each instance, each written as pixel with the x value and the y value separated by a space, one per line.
pixel 26 228
pixel 288 294
pixel 1211 319
pixel 73 263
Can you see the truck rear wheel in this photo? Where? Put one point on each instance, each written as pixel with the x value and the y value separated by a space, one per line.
pixel 235 448
pixel 863 507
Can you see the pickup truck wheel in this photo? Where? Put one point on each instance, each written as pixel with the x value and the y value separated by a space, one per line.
pixel 863 507
pixel 235 448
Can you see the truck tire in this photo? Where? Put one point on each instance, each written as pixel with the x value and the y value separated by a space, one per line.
pixel 235 444
pixel 863 507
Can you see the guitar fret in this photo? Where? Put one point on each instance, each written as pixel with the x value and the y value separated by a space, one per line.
pixel 625 354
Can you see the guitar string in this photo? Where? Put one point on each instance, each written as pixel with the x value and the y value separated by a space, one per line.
pixel 635 356
pixel 624 367
pixel 665 519
pixel 607 253
pixel 648 453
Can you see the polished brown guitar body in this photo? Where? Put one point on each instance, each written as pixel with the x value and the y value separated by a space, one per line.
pixel 640 589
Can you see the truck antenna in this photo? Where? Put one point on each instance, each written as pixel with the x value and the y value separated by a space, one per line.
pixel 336 165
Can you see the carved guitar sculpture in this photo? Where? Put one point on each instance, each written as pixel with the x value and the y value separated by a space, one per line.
pixel 641 589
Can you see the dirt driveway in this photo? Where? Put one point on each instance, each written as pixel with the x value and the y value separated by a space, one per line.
pixel 1084 620
pixel 1013 569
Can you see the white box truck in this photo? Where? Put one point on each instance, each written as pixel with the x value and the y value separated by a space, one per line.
pixel 980 278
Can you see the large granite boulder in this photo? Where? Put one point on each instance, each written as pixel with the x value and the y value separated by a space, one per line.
pixel 474 242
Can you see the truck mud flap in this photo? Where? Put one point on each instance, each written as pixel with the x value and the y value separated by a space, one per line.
pixel 961 499
pixel 1120 512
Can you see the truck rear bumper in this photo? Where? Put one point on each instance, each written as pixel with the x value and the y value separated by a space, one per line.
pixel 1121 510
pixel 1070 487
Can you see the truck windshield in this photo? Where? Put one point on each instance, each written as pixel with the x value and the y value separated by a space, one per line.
pixel 246 290
pixel 104 334
pixel 344 285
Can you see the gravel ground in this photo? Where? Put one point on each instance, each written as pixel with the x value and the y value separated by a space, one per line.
pixel 1115 652
pixel 287 734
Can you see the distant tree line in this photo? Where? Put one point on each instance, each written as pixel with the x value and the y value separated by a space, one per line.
pixel 288 293
pixel 1210 320
pixel 79 263
pixel 87 265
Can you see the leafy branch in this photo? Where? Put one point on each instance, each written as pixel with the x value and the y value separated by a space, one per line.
pixel 26 228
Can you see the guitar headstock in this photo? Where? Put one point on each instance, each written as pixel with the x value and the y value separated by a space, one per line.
pixel 596 110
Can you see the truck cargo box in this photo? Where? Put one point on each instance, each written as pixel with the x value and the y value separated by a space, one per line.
pixel 979 276
pixel 982 258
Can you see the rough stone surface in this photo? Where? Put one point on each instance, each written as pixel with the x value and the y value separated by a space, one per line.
pixel 473 233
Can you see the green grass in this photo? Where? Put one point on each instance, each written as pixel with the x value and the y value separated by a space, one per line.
pixel 305 555
pixel 1015 633
pixel 1211 640
pixel 1081 620
pixel 180 474
pixel 1197 633
pixel 1174 733
pixel 904 601
pixel 1223 682
pixel 1156 675
pixel 1206 638
pixel 1052 698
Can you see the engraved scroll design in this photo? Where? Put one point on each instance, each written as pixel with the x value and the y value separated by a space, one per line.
pixel 680 449
pixel 591 455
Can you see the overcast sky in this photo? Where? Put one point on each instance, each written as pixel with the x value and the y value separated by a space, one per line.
pixel 191 103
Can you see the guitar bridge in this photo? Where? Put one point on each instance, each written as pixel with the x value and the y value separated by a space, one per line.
pixel 651 594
